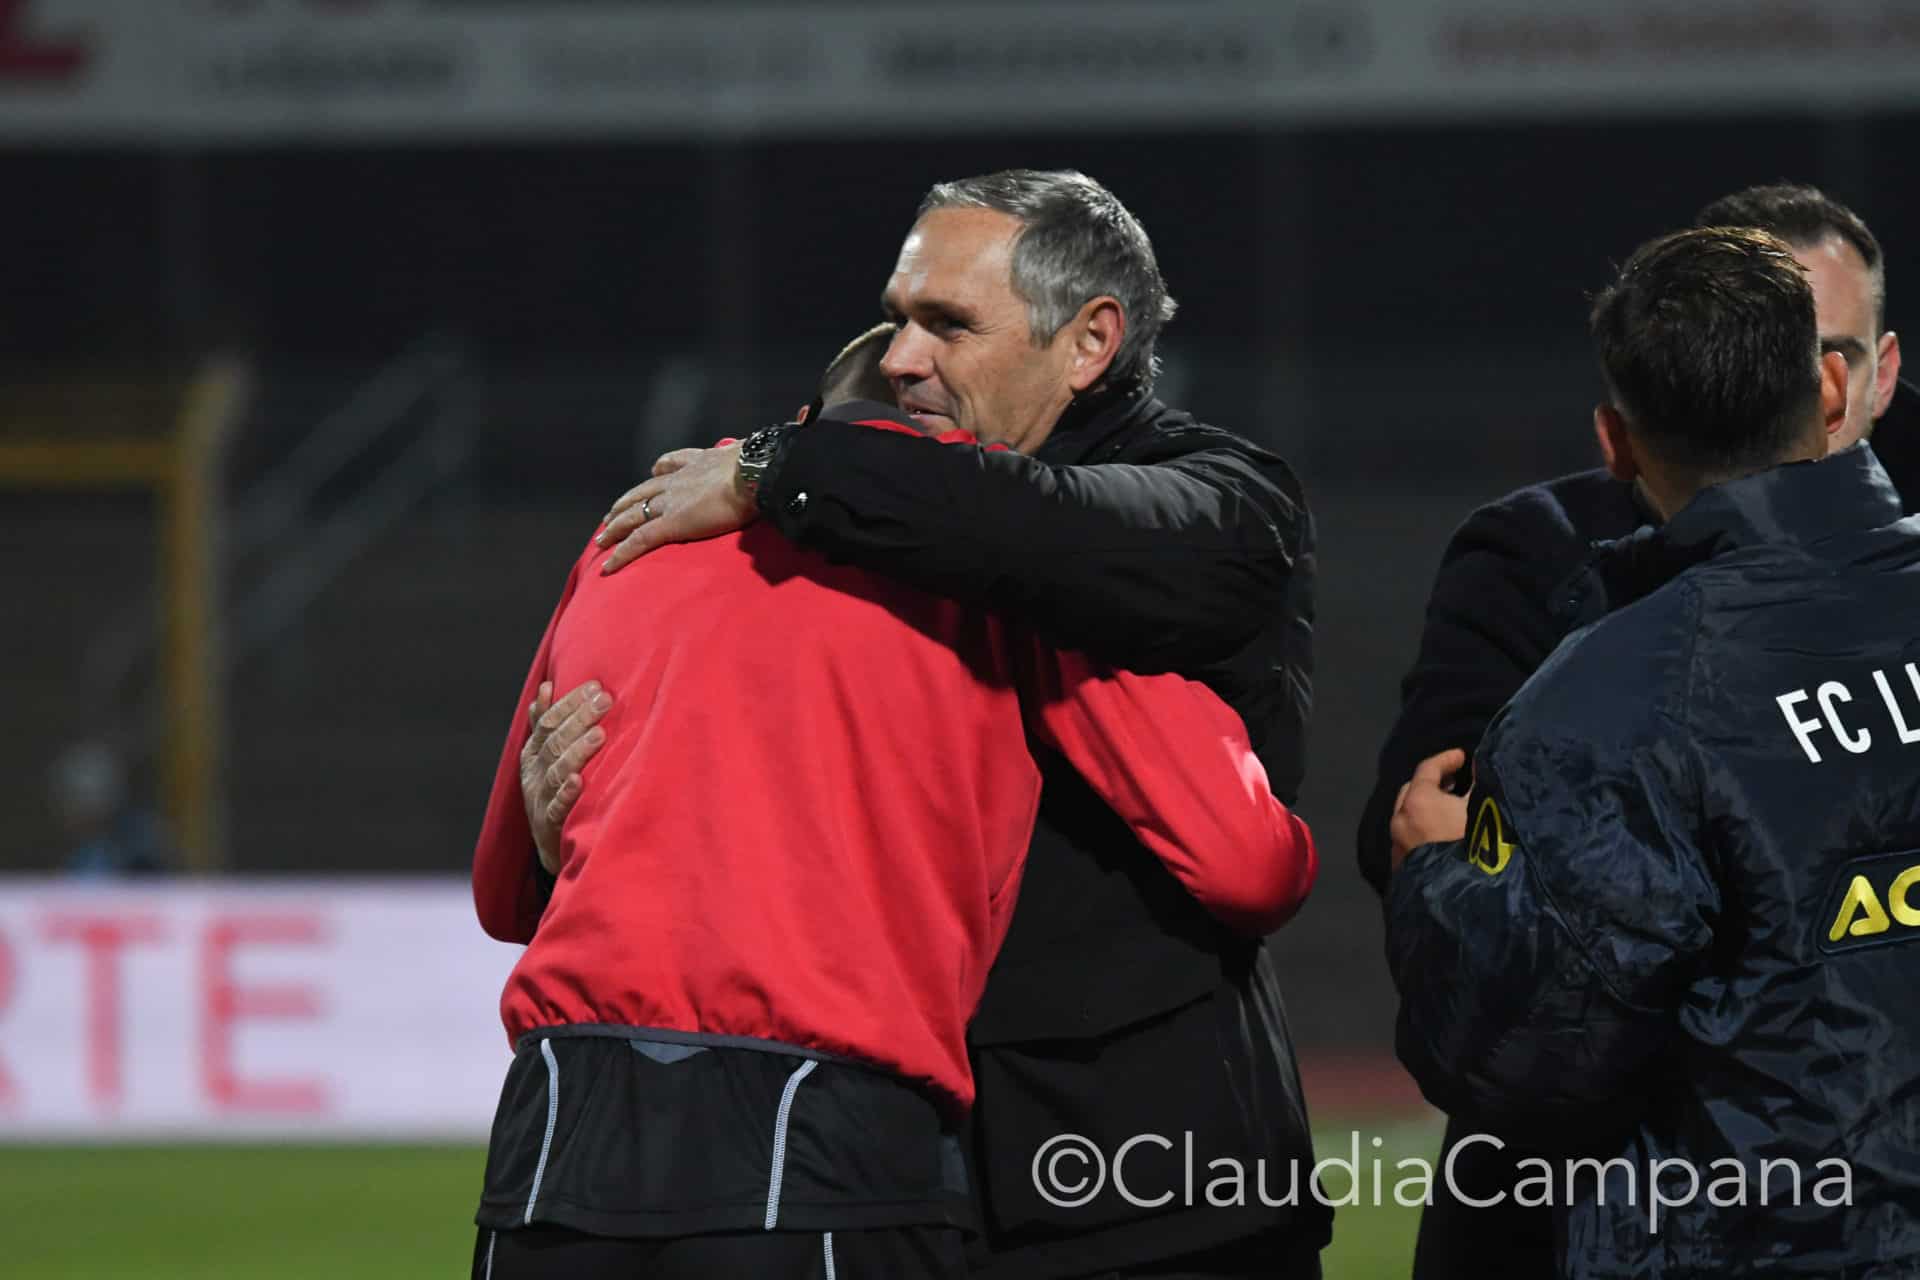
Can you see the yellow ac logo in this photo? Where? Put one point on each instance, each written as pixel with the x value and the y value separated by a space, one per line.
pixel 1862 916
pixel 1487 845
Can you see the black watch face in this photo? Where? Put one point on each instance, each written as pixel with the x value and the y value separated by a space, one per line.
pixel 758 446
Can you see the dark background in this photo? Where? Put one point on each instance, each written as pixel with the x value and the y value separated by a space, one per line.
pixel 1398 309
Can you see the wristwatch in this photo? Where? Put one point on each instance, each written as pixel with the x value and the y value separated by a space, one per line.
pixel 757 453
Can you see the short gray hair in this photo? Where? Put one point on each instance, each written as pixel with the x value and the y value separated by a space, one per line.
pixel 1077 242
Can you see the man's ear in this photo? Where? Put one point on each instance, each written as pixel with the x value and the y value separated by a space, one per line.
pixel 1616 446
pixel 1096 334
pixel 1833 392
pixel 1887 375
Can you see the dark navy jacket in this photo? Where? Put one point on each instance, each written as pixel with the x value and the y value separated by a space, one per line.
pixel 1494 615
pixel 1679 926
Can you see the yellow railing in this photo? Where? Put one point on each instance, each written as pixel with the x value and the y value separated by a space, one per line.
pixel 92 465
pixel 183 471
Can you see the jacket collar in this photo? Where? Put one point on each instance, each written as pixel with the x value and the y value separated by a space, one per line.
pixel 1093 422
pixel 1798 504
pixel 1801 504
pixel 1896 442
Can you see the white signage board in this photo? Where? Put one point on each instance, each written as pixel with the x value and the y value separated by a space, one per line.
pixel 211 71
pixel 267 1009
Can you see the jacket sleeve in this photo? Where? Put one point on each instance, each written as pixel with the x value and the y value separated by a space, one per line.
pixel 1173 761
pixel 1488 627
pixel 1165 564
pixel 510 888
pixel 1541 962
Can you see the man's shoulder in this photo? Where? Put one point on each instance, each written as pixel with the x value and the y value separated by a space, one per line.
pixel 1661 619
pixel 1147 426
pixel 1519 549
pixel 1162 434
pixel 1623 671
pixel 1575 511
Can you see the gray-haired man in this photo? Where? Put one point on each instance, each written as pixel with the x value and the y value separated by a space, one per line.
pixel 1028 306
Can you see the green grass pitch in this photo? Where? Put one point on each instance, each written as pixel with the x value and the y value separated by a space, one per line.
pixel 374 1212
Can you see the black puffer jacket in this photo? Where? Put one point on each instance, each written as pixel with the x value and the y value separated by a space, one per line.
pixel 1679 928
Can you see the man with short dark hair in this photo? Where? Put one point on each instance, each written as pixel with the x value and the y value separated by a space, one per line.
pixel 1499 606
pixel 1849 277
pixel 1028 307
pixel 1660 950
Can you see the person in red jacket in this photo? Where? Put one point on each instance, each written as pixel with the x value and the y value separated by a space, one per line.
pixel 739 1022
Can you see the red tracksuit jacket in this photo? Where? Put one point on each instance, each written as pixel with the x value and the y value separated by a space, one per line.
pixel 810 815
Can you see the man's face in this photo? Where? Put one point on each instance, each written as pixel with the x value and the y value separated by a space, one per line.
pixel 1843 308
pixel 965 355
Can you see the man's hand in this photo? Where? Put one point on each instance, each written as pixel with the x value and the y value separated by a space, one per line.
pixel 693 494
pixel 1426 812
pixel 563 739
